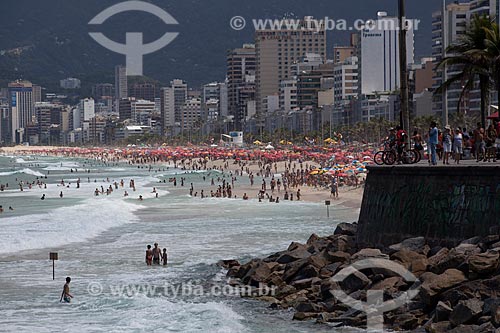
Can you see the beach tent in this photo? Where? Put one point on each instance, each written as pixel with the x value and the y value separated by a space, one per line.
pixel 257 142
pixel 269 147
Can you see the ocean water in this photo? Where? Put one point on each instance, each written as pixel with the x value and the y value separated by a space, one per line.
pixel 101 242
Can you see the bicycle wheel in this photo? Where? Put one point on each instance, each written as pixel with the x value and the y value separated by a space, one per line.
pixel 390 157
pixel 419 155
pixel 410 157
pixel 379 158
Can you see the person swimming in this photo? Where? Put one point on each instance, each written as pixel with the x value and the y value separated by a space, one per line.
pixel 66 296
pixel 43 197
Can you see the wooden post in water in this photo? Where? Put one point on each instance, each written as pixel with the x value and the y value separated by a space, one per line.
pixel 53 256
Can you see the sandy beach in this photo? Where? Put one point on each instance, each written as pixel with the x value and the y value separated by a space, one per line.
pixel 349 196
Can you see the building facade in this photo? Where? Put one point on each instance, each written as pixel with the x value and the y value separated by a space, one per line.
pixel 277 50
pixel 379 55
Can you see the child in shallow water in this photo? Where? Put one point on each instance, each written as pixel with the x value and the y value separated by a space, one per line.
pixel 164 257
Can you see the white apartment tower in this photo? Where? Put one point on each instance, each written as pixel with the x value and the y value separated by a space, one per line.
pixel 379 55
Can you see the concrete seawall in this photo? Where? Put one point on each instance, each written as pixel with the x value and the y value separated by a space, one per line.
pixel 444 204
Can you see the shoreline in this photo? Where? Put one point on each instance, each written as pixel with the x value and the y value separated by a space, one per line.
pixel 349 197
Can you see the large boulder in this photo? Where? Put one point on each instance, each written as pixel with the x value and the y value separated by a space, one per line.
pixel 337 256
pixel 354 282
pixel 347 229
pixel 306 272
pixel 368 254
pixel 412 261
pixel 390 285
pixel 259 274
pixel 294 255
pixel 412 244
pixel 466 312
pixel 240 271
pixel 320 260
pixel 445 260
pixel 228 263
pixel 432 287
pixel 292 268
pixel 484 263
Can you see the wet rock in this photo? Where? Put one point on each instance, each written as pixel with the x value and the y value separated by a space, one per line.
pixel 347 229
pixel 301 316
pixel 258 274
pixel 312 239
pixel 466 312
pixel 228 263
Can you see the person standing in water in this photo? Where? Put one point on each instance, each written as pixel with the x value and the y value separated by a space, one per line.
pixel 66 296
pixel 156 254
pixel 149 256
pixel 164 257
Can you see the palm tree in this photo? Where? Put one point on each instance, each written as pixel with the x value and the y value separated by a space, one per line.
pixel 493 50
pixel 470 54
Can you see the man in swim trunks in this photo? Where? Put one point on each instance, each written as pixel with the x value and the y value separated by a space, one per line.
pixel 66 296
pixel 156 254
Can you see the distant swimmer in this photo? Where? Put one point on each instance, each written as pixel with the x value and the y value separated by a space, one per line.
pixel 10 208
pixel 125 194
pixel 66 296
pixel 43 197
pixel 140 198
pixel 1 209
pixel 61 195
